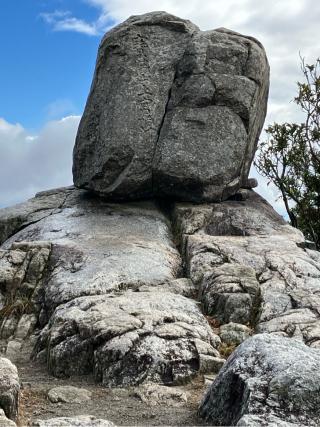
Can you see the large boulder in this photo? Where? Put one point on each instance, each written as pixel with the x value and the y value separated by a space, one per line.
pixel 172 111
pixel 268 380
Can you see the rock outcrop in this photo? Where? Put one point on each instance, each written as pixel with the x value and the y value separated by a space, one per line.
pixel 255 270
pixel 111 294
pixel 173 111
pixel 251 267
pixel 161 292
pixel 112 302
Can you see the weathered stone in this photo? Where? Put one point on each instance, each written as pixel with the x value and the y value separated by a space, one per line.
pixel 268 379
pixel 128 339
pixel 79 421
pixel 234 333
pixel 22 270
pixel 172 111
pixel 112 302
pixel 155 395
pixel 99 248
pixel 13 350
pixel 9 388
pixel 251 267
pixel 42 205
pixel 4 421
pixel 25 326
pixel 69 394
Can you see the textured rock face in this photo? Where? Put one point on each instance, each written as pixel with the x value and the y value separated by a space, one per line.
pixel 172 111
pixel 108 297
pixel 22 271
pixel 128 339
pixel 9 388
pixel 269 380
pixel 253 269
pixel 99 288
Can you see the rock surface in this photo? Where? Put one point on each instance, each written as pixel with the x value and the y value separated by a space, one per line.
pixel 112 303
pixel 251 267
pixel 4 421
pixel 130 338
pixel 80 421
pixel 155 395
pixel 9 388
pixel 234 333
pixel 69 394
pixel 268 379
pixel 107 292
pixel 172 111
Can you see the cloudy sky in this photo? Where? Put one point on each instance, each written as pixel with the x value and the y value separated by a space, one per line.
pixel 47 59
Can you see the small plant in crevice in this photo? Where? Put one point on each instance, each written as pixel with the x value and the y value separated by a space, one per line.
pixel 226 349
pixel 17 308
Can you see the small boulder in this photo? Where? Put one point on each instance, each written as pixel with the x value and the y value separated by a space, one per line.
pixel 69 394
pixel 154 395
pixel 234 333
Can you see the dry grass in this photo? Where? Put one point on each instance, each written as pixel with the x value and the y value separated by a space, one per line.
pixel 226 349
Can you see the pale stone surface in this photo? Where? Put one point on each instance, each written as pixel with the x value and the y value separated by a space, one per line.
pixel 107 294
pixel 98 247
pixel 9 388
pixel 254 269
pixel 172 111
pixel 42 205
pixel 69 394
pixel 80 421
pixel 234 333
pixel 4 421
pixel 268 379
pixel 129 339
pixel 22 270
pixel 111 289
pixel 251 267
pixel 155 394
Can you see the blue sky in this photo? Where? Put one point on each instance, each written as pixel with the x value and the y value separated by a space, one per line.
pixel 44 74
pixel 47 59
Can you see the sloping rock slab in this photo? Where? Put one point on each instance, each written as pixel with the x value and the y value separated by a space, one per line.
pixel 9 388
pixel 129 339
pixel 97 247
pixel 268 379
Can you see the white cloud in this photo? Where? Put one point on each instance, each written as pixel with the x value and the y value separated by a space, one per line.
pixel 35 162
pixel 64 21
